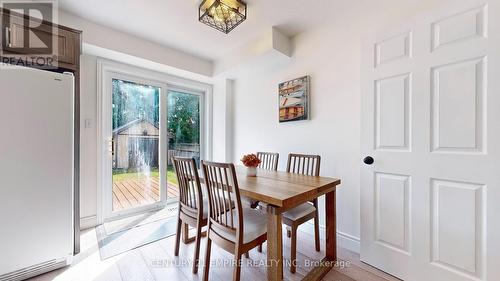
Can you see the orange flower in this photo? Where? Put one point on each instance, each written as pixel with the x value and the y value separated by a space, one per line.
pixel 250 160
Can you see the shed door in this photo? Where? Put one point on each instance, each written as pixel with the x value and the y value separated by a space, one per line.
pixel 143 152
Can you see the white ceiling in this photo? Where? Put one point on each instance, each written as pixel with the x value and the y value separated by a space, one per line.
pixel 174 23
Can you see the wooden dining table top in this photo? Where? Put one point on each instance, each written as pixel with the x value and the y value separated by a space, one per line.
pixel 282 189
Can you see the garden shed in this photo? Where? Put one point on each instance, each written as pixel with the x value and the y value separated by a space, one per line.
pixel 135 145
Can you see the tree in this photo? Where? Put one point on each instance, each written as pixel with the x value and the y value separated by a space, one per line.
pixel 133 101
pixel 183 118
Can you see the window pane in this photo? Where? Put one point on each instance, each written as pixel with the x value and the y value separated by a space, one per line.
pixel 135 144
pixel 184 132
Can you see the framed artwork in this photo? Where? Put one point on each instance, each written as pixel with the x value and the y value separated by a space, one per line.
pixel 294 100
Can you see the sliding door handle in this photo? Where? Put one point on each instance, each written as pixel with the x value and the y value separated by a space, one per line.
pixel 111 144
pixel 8 41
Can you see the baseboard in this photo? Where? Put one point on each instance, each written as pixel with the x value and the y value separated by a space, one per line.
pixel 344 240
pixel 348 242
pixel 88 222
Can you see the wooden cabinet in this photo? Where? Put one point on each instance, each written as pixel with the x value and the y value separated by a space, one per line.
pixel 68 42
pixel 65 41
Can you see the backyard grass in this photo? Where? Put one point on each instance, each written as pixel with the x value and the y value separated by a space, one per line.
pixel 123 176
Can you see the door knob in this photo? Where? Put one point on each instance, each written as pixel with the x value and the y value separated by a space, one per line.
pixel 368 160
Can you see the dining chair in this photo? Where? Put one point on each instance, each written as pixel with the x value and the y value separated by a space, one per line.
pixel 304 165
pixel 236 229
pixel 269 160
pixel 192 208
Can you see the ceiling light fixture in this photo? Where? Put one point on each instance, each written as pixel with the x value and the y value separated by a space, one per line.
pixel 223 15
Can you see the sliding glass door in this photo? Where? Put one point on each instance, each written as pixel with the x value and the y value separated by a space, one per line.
pixel 145 123
pixel 136 144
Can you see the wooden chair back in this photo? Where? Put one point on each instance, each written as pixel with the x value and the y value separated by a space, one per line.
pixel 269 160
pixel 303 164
pixel 190 193
pixel 223 192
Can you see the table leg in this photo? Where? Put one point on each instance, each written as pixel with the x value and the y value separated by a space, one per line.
pixel 274 245
pixel 331 241
pixel 331 226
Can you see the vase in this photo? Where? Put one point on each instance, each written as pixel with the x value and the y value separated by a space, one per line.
pixel 251 171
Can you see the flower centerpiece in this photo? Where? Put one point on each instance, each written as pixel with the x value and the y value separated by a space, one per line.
pixel 251 161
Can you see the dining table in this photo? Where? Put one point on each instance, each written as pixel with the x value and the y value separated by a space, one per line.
pixel 282 191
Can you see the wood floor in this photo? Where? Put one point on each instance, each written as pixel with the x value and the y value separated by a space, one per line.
pixel 132 193
pixel 157 262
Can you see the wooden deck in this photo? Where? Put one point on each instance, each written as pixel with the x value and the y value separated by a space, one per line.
pixel 132 193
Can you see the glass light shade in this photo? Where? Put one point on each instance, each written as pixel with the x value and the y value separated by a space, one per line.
pixel 223 15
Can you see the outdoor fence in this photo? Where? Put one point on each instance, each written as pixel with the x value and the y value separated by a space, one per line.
pixel 184 150
pixel 147 155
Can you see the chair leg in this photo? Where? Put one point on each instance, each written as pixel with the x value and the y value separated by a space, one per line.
pixel 207 260
pixel 178 237
pixel 316 231
pixel 260 248
pixel 293 252
pixel 185 233
pixel 237 268
pixel 197 248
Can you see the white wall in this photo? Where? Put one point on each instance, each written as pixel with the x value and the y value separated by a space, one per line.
pixel 245 108
pixel 333 131
pixel 107 38
pixel 331 56
pixel 222 120
pixel 88 141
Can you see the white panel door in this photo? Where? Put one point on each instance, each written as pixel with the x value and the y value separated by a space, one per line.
pixel 430 179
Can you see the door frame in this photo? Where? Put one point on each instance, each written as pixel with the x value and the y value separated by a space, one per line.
pixel 106 71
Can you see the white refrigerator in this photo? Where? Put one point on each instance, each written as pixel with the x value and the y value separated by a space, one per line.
pixel 36 171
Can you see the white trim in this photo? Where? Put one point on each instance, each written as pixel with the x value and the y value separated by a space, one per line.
pixel 116 215
pixel 206 147
pixel 88 222
pixel 139 78
pixel 348 242
pixel 163 80
pixel 344 240
pixel 229 120
pixel 99 144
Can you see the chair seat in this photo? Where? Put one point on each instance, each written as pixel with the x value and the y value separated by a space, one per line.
pixel 254 225
pixel 299 212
